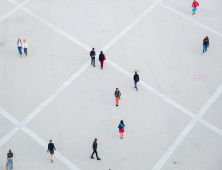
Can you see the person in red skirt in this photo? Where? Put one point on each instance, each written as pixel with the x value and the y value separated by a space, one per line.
pixel 121 129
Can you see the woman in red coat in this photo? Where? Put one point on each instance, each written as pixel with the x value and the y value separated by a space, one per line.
pixel 194 6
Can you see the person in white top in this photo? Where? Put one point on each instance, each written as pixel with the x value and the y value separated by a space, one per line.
pixel 25 47
pixel 19 45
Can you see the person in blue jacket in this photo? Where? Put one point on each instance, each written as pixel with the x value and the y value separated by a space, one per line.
pixel 121 129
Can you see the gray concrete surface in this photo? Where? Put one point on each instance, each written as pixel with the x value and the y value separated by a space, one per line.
pixel 165 45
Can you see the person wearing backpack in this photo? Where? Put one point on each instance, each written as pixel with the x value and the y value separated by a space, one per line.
pixel 117 96
pixel 10 159
pixel 205 44
pixel 101 59
pixel 121 129
pixel 93 55
pixel 136 79
pixel 194 6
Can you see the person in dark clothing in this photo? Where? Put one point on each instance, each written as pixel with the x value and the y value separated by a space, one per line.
pixel 117 96
pixel 101 59
pixel 93 55
pixel 10 159
pixel 205 44
pixel 95 150
pixel 51 148
pixel 136 79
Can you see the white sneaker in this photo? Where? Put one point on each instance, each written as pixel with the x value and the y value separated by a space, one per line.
pixel 203 54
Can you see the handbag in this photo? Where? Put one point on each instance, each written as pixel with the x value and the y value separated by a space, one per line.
pixel 104 57
pixel 7 166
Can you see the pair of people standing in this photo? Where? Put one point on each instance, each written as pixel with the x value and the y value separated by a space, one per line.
pixel 101 58
pixel 9 160
pixel 20 45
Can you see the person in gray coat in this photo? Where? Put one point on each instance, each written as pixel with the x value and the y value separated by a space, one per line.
pixel 95 150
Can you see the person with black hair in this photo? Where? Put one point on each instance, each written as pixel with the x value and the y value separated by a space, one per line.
pixel 51 148
pixel 206 43
pixel 136 79
pixel 10 159
pixel 95 150
pixel 93 55
pixel 117 96
pixel 121 129
pixel 101 59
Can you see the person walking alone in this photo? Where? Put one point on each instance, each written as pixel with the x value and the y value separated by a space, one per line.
pixel 121 129
pixel 51 148
pixel 101 59
pixel 95 150
pixel 194 6
pixel 25 47
pixel 10 159
pixel 19 45
pixel 93 55
pixel 117 96
pixel 136 80
pixel 206 44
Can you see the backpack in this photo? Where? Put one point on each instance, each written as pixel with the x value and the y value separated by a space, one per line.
pixel 92 53
pixel 136 78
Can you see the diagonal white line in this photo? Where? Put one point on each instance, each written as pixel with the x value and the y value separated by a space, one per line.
pixel 33 136
pixel 13 10
pixel 187 130
pixel 191 20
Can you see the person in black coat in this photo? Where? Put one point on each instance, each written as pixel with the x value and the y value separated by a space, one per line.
pixel 136 79
pixel 51 148
pixel 95 150
pixel 101 59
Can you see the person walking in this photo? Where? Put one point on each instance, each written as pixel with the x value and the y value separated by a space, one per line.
pixel 136 80
pixel 25 47
pixel 51 149
pixel 206 44
pixel 121 129
pixel 10 159
pixel 93 55
pixel 194 6
pixel 101 59
pixel 117 96
pixel 19 45
pixel 95 150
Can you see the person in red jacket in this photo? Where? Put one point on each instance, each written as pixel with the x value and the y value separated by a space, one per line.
pixel 194 6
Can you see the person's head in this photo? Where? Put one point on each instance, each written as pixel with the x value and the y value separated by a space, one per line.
pixel 96 140
pixel 19 40
pixel 10 151
pixel 101 52
pixel 135 72
pixel 50 141
pixel 117 89
pixel 24 41
pixel 93 49
pixel 206 37
pixel 121 121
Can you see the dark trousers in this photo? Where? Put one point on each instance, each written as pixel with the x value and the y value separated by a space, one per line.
pixel 25 51
pixel 95 151
pixel 93 61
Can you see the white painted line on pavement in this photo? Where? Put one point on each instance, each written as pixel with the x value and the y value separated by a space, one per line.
pixel 131 25
pixel 13 10
pixel 191 20
pixel 187 130
pixel 44 144
pixel 9 135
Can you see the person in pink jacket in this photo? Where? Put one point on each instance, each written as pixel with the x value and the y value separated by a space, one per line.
pixel 194 6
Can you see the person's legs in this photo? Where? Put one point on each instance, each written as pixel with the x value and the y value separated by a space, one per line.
pixel 102 63
pixel 93 61
pixel 135 84
pixel 116 100
pixel 25 51
pixel 206 48
pixel 10 164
